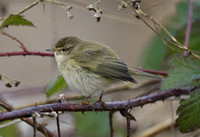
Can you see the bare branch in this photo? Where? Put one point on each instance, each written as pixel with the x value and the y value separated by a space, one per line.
pixel 139 14
pixel 14 38
pixel 25 53
pixel 128 126
pixel 29 7
pixel 40 127
pixel 152 71
pixel 58 125
pixel 111 123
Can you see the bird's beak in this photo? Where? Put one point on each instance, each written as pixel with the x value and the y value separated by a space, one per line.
pixel 51 50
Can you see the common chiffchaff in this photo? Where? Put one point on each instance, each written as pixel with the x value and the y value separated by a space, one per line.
pixel 89 67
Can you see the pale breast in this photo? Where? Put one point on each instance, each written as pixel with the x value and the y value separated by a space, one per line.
pixel 83 81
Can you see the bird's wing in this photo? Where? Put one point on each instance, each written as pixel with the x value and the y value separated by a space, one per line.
pixel 114 68
pixel 103 64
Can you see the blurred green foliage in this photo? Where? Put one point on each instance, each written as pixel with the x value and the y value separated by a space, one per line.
pixel 92 124
pixel 155 56
pixel 54 86
pixel 9 131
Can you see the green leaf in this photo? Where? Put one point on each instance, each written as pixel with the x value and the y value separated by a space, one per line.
pixel 189 113
pixel 16 20
pixel 92 124
pixel 183 72
pixel 55 86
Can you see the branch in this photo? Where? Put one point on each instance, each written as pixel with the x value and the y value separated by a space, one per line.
pixel 139 14
pixel 128 121
pixel 40 127
pixel 189 25
pixel 34 4
pixel 14 38
pixel 111 123
pixel 25 53
pixel 152 71
pixel 110 106
pixel 58 125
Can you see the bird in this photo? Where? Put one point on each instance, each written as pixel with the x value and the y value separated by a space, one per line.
pixel 89 67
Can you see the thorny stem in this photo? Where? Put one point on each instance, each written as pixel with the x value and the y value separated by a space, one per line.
pixel 110 106
pixel 25 53
pixel 189 25
pixel 14 38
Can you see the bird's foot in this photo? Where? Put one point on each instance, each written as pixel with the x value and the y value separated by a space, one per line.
pixel 62 99
pixel 86 102
pixel 101 102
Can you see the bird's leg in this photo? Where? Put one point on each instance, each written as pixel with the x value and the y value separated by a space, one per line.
pixel 85 101
pixel 100 100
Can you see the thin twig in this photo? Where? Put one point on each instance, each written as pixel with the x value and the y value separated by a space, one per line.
pixel 110 106
pixel 34 4
pixel 111 123
pixel 23 10
pixel 58 124
pixel 128 126
pixel 152 71
pixel 14 38
pixel 189 25
pixel 29 7
pixel 22 53
pixel 40 127
pixel 174 42
pixel 34 125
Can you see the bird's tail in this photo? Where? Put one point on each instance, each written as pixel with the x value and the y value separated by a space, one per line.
pixel 136 72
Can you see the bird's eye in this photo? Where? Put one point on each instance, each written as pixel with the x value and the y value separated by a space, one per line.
pixel 64 50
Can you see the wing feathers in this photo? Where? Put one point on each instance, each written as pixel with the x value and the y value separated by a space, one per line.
pixel 114 68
